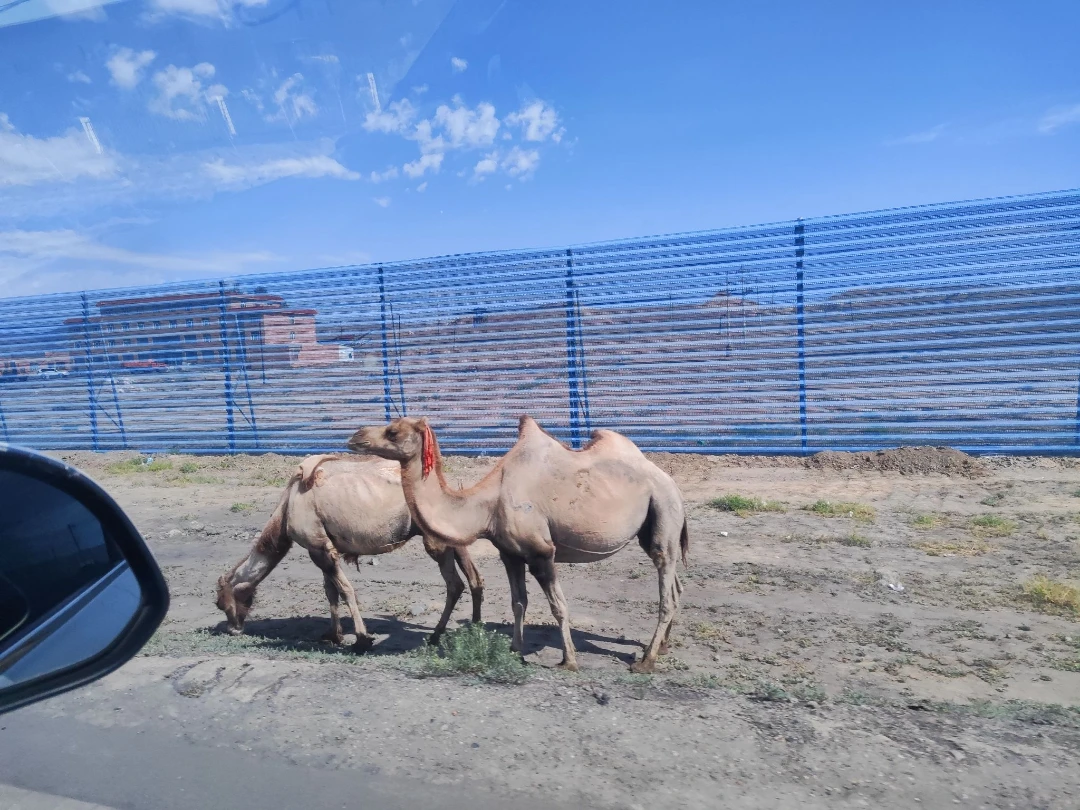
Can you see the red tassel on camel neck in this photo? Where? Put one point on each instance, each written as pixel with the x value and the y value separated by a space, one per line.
pixel 427 452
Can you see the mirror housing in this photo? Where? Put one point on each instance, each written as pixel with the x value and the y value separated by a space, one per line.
pixel 80 593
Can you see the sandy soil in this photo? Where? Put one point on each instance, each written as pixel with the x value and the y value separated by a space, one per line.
pixel 800 672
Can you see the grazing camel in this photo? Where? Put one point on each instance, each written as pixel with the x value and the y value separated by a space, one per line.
pixel 342 508
pixel 545 503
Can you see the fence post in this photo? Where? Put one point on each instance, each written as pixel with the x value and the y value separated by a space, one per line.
pixel 385 346
pixel 800 244
pixel 89 357
pixel 119 413
pixel 247 380
pixel 230 404
pixel 572 353
pixel 1078 409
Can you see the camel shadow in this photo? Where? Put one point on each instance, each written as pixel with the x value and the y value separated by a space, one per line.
pixel 540 636
pixel 303 633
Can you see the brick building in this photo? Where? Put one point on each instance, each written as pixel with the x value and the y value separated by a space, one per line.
pixel 192 329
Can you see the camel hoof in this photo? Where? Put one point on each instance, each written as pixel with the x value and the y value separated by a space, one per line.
pixel 643 667
pixel 664 648
pixel 331 637
pixel 235 631
pixel 363 643
pixel 434 639
pixel 569 666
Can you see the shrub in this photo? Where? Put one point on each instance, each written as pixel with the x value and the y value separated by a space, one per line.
pixel 473 650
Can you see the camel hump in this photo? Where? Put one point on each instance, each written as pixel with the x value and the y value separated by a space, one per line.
pixel 309 472
pixel 525 421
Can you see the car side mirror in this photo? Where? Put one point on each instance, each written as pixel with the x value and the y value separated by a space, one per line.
pixel 80 593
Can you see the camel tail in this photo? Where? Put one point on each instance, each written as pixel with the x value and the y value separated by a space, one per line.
pixel 684 541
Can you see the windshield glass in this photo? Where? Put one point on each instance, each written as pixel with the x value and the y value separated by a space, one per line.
pixel 742 336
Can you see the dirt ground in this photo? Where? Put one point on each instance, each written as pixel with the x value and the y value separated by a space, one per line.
pixel 882 652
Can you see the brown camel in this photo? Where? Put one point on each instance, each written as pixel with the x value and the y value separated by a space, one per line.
pixel 342 508
pixel 545 503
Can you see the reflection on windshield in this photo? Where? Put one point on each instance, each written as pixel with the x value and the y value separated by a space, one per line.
pixel 159 140
pixel 51 547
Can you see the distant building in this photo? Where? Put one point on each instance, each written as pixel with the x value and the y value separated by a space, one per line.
pixel 192 329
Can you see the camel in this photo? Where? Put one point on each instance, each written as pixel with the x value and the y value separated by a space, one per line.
pixel 342 507
pixel 545 503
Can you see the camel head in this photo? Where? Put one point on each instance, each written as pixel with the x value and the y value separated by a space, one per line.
pixel 402 440
pixel 235 602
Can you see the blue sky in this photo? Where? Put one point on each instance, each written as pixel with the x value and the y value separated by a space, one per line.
pixel 156 140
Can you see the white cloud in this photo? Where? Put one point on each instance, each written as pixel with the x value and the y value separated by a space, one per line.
pixel 394 118
pixel 538 122
pixel 292 101
pixel 458 65
pixel 382 202
pixel 927 136
pixel 417 168
pixel 468 128
pixel 181 94
pixel 246 175
pixel 422 187
pixel 1059 117
pixel 489 164
pixel 36 262
pixel 387 174
pixel 78 77
pixel 420 89
pixel 214 9
pixel 126 66
pixel 26 160
pixel 521 163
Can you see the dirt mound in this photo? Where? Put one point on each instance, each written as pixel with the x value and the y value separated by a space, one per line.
pixel 904 460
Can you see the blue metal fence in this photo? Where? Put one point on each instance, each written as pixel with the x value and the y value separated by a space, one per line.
pixel 954 324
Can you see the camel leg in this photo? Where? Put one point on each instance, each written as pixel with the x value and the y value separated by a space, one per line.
pixel 519 598
pixel 665 645
pixel 327 560
pixel 669 605
pixel 475 580
pixel 543 569
pixel 334 634
pixel 444 556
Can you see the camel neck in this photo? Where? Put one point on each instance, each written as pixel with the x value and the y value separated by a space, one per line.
pixel 455 517
pixel 253 570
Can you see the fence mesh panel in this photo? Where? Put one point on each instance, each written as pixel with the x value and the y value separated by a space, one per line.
pixel 954 324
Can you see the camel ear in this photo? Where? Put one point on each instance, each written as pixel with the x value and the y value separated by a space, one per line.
pixel 427 448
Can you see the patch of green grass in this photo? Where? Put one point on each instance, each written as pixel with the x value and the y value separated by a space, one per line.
pixel 1076 493
pixel 272 480
pixel 706 631
pixel 743 506
pixel 1051 596
pixel 473 650
pixel 133 466
pixel 698 680
pixel 925 521
pixel 854 539
pixel 202 642
pixel 189 467
pixel 199 479
pixel 241 507
pixel 633 679
pixel 954 549
pixel 637 573
pixel 768 692
pixel 994 499
pixel 848 509
pixel 992 525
